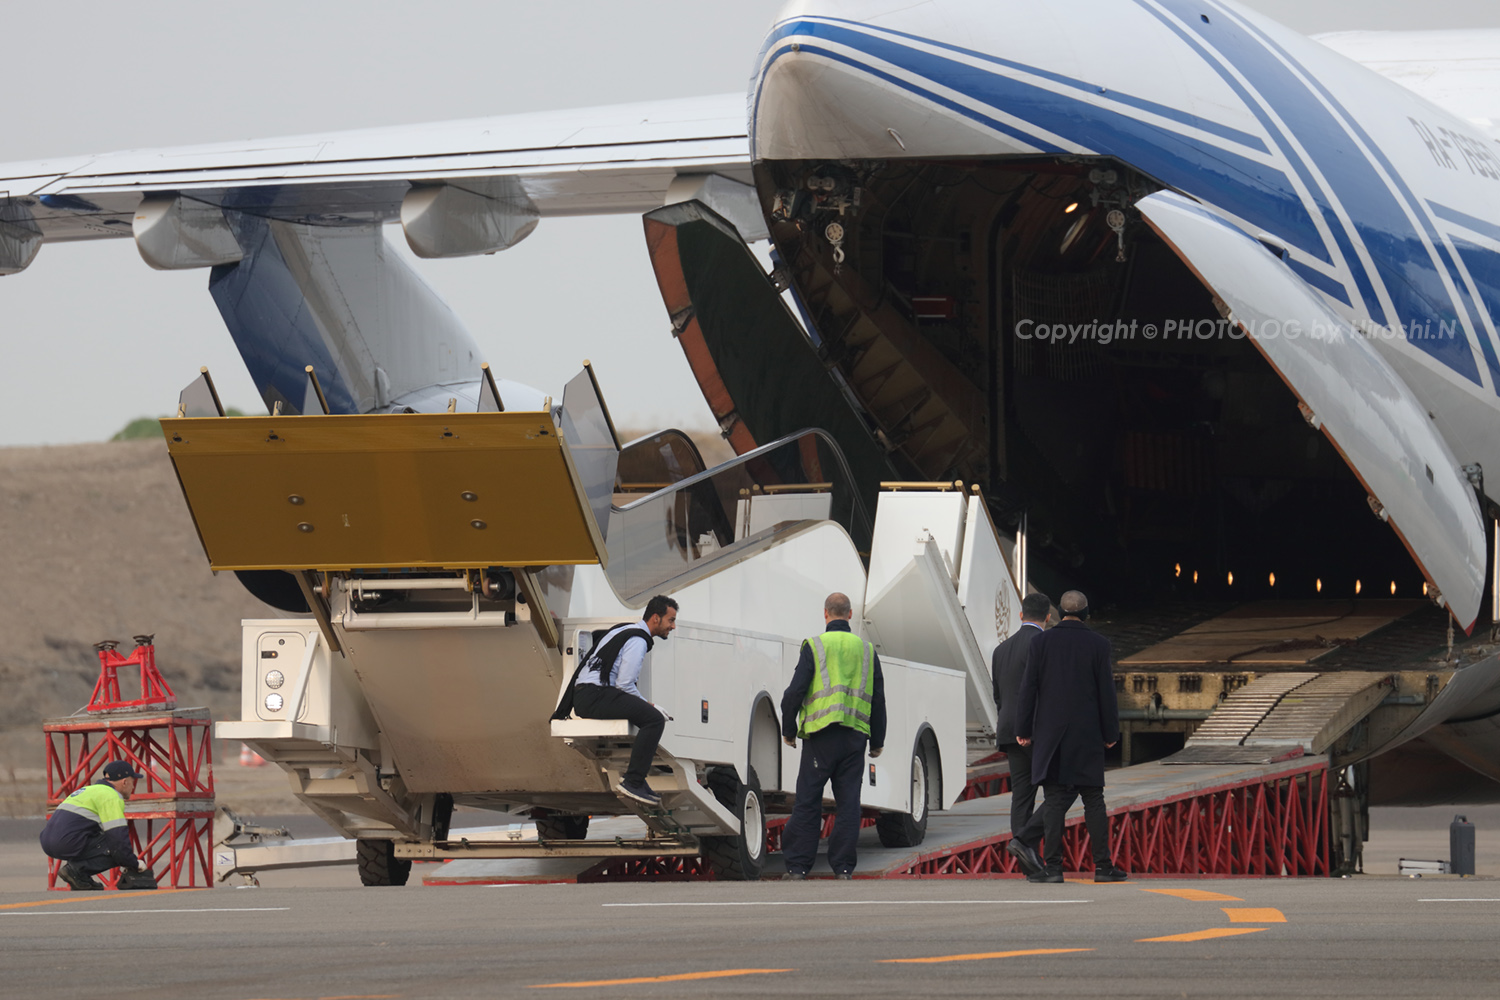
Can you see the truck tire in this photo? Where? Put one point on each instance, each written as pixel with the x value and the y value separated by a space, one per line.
pixel 739 858
pixel 909 829
pixel 378 864
pixel 561 827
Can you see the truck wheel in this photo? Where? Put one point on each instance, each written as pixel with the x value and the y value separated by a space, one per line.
pixel 560 827
pixel 908 829
pixel 378 864
pixel 740 858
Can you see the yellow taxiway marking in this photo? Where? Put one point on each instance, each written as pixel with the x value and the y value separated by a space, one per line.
pixel 1197 895
pixel 1212 932
pixel 979 956
pixel 84 898
pixel 1254 914
pixel 679 977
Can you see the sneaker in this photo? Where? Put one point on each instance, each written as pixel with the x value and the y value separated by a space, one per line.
pixel 845 876
pixel 794 877
pixel 1046 876
pixel 639 791
pixel 1025 855
pixel 1109 873
pixel 77 881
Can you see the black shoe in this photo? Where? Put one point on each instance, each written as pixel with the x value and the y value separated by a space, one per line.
pixel 137 880
pixel 1109 873
pixel 1025 855
pixel 639 791
pixel 846 876
pixel 794 877
pixel 1046 876
pixel 77 880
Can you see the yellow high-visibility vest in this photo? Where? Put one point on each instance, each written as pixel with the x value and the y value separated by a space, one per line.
pixel 843 684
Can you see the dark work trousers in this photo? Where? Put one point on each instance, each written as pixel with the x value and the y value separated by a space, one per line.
pixel 1025 818
pixel 837 754
pixel 1060 799
pixel 590 701
pixel 94 858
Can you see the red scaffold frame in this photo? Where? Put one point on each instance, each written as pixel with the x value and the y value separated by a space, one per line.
pixel 173 843
pixel 154 689
pixel 1274 826
pixel 174 750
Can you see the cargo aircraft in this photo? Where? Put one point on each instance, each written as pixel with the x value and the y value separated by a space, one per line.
pixel 1215 306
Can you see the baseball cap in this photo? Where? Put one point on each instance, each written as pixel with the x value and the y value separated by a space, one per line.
pixel 117 769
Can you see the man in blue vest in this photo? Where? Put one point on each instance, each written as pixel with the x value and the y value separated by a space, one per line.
pixel 604 688
pixel 836 703
pixel 89 833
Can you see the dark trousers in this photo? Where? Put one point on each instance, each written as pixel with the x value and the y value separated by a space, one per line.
pixel 1025 818
pixel 93 859
pixel 835 754
pixel 590 701
pixel 1059 800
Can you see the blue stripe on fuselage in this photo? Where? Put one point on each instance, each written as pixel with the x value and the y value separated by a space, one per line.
pixel 1258 193
pixel 1336 227
pixel 1448 264
pixel 1093 89
pixel 1402 260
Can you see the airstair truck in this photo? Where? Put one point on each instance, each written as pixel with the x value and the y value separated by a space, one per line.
pixel 451 569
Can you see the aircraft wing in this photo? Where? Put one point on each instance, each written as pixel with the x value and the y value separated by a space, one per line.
pixel 619 158
pixel 1456 70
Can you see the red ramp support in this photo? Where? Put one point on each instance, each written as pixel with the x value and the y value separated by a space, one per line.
pixel 1270 822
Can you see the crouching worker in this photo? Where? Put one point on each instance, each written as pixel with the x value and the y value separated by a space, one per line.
pixel 604 688
pixel 89 835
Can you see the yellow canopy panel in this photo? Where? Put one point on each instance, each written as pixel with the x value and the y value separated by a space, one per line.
pixel 384 491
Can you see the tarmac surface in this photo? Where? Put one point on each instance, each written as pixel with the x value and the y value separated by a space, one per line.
pixel 1362 937
pixel 318 935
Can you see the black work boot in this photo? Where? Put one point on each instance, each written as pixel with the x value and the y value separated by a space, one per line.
pixel 77 880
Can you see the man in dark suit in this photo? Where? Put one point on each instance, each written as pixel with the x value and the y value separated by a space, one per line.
pixel 1006 667
pixel 1066 712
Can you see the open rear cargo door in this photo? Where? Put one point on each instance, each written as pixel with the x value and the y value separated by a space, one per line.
pixel 760 376
pixel 1348 390
pixel 386 491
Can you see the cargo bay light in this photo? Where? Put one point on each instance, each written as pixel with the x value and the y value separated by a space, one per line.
pixel 455 565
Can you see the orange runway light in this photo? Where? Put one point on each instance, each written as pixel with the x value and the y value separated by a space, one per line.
pixel 1357 586
pixel 1320 586
pixel 1273 579
pixel 1231 579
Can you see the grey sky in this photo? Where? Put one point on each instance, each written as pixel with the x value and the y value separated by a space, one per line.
pixel 92 337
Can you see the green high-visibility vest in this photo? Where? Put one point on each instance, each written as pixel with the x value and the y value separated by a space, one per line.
pixel 843 684
pixel 99 802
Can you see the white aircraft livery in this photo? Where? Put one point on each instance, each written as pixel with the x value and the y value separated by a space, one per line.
pixel 1210 307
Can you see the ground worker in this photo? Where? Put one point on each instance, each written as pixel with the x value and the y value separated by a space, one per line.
pixel 836 703
pixel 604 688
pixel 88 833
pixel 1067 714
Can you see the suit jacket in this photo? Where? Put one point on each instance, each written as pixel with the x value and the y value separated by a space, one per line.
pixel 1067 705
pixel 1007 664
